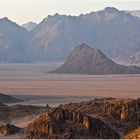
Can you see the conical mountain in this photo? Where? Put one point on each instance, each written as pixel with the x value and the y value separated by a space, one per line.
pixel 86 60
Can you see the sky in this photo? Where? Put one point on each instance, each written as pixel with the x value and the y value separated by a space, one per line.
pixel 23 11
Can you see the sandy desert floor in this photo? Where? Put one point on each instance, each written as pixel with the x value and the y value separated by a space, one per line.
pixel 33 79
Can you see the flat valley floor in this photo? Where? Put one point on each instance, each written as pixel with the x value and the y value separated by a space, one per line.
pixel 33 79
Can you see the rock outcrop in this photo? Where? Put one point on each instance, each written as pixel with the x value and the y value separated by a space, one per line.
pixel 99 118
pixel 9 129
pixel 64 124
pixel 86 60
pixel 135 134
pixel 122 114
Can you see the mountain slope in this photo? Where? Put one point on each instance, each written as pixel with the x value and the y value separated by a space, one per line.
pixel 134 13
pixel 12 39
pixel 86 60
pixel 8 99
pixel 115 32
pixel 29 26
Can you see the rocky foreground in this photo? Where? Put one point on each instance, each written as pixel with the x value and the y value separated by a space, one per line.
pixel 98 118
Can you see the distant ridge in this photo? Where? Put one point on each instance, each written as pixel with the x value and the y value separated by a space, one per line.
pixel 8 99
pixel 86 60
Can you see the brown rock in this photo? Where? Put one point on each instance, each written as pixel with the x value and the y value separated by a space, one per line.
pixel 9 129
pixel 63 123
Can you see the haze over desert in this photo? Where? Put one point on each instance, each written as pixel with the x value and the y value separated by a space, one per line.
pixel 33 79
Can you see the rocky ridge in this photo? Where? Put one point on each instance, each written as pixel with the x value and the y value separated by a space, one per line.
pixel 98 118
pixel 99 115
pixel 66 124
pixel 122 114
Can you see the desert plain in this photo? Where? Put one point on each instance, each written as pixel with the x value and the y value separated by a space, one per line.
pixel 34 79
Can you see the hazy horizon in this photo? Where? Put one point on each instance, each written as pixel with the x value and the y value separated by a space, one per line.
pixel 24 11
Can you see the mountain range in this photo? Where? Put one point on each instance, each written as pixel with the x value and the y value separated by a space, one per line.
pixel 86 60
pixel 116 33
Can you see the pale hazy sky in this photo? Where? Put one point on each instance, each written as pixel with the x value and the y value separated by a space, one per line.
pixel 22 11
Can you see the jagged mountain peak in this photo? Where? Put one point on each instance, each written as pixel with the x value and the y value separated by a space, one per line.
pixel 107 30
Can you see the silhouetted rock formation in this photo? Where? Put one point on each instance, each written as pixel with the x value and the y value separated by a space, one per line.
pixel 86 60
pixel 9 129
pixel 8 99
pixel 64 124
